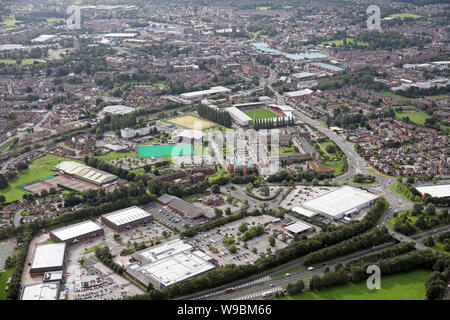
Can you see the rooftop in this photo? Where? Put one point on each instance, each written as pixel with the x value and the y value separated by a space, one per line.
pixel 76 230
pixel 297 227
pixel 127 215
pixel 436 191
pixel 48 255
pixel 41 291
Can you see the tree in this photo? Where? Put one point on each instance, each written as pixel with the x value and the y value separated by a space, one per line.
pixel 272 241
pixel 215 189
pixel 430 209
pixel 228 211
pixel 428 241
pixel 232 248
pixel 315 182
pixel 2 198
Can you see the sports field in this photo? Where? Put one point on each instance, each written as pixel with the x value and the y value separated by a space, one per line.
pixel 403 286
pixel 165 150
pixel 54 181
pixel 38 169
pixel 261 114
pixel 416 117
pixel 192 122
pixel 404 15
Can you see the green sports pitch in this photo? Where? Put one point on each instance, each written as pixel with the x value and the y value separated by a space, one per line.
pixel 167 150
pixel 261 114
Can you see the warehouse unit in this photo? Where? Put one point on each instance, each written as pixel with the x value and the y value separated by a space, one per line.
pixel 77 232
pixel 127 218
pixel 297 228
pixel 168 263
pixel 48 257
pixel 86 173
pixel 197 95
pixel 118 110
pixel 41 291
pixel 337 204
pixel 436 191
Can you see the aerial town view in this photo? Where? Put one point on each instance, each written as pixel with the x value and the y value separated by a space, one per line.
pixel 255 151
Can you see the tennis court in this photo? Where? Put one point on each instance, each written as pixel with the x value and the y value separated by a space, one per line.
pixel 169 150
pixel 54 181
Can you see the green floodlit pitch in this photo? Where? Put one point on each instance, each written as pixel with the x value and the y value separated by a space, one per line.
pixel 165 150
pixel 261 114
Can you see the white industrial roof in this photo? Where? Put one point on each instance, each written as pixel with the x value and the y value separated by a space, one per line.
pixel 118 109
pixel 339 201
pixel 85 172
pixel 48 255
pixel 44 38
pixel 177 267
pixel 163 250
pixel 76 230
pixel 437 191
pixel 298 93
pixel 212 90
pixel 191 134
pixel 236 113
pixel 41 291
pixel 127 215
pixel 297 227
pixel 120 35
pixel 304 212
pixel 282 107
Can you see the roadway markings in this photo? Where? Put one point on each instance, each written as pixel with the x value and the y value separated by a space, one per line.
pixel 237 287
pixel 259 294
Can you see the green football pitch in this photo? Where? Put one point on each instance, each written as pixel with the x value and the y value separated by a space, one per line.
pixel 165 150
pixel 261 114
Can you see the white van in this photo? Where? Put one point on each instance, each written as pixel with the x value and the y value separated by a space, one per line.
pixel 310 268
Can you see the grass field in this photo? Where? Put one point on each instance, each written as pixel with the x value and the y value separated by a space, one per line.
pixel 117 155
pixel 393 95
pixel 192 122
pixel 416 117
pixel 439 246
pixel 164 150
pixel 404 286
pixel 38 169
pixel 263 8
pixel 7 61
pixel 340 43
pixel 3 278
pixel 404 15
pixel 261 114
pixel 11 21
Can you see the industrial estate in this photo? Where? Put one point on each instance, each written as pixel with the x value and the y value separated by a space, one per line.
pixel 224 150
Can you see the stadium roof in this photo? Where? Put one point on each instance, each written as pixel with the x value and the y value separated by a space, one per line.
pixel 48 255
pixel 75 230
pixel 436 191
pixel 127 215
pixel 297 227
pixel 85 172
pixel 41 291
pixel 343 200
pixel 118 109
pixel 236 113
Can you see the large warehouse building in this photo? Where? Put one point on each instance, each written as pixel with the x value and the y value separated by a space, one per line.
pixel 197 95
pixel 182 207
pixel 436 191
pixel 77 232
pixel 118 110
pixel 126 218
pixel 48 257
pixel 86 173
pixel 41 291
pixel 168 263
pixel 342 202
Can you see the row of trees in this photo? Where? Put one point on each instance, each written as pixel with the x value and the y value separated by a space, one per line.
pixel 101 165
pixel 218 116
pixel 271 123
pixel 104 255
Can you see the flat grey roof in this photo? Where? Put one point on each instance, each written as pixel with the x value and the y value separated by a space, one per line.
pixel 297 227
pixel 41 291
pixel 76 230
pixel 48 255
pixel 339 201
pixel 127 215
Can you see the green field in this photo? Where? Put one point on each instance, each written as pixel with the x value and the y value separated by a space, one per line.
pixel 393 95
pixel 10 21
pixel 404 286
pixel 340 43
pixel 38 169
pixel 7 61
pixel 261 114
pixel 117 155
pixel 164 150
pixel 3 278
pixel 416 117
pixel 404 15
pixel 336 166
pixel 263 8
